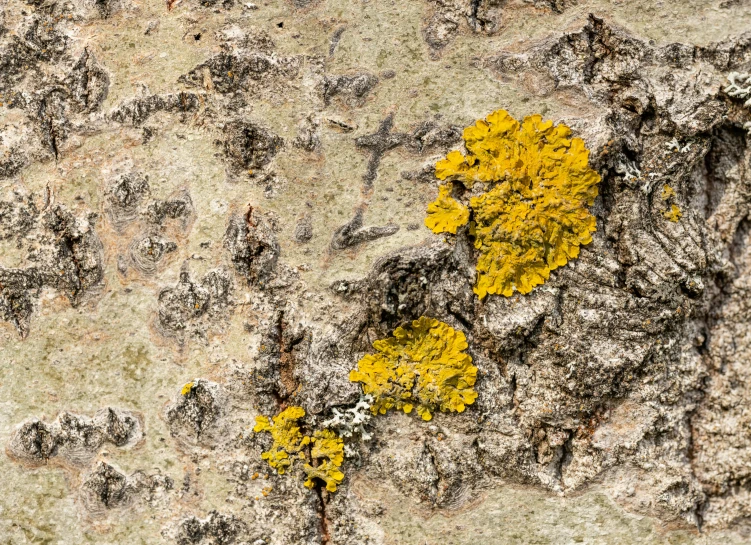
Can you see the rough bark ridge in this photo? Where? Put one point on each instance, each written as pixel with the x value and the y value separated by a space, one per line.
pixel 194 235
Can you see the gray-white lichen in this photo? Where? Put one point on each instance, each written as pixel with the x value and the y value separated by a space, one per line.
pixel 352 422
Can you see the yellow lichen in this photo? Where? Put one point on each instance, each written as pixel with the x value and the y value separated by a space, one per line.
pixel 446 214
pixel 673 213
pixel 534 217
pixel 186 388
pixel 327 444
pixel 667 192
pixel 422 366
pixel 327 471
pixel 328 449
pixel 288 438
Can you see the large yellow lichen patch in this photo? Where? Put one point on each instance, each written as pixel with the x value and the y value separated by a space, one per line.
pixel 423 366
pixel 533 216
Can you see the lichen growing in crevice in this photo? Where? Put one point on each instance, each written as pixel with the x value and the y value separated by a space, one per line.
pixel 290 443
pixel 288 438
pixel 671 212
pixel 533 216
pixel 328 450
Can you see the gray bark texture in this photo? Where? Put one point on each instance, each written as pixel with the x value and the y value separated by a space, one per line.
pixel 210 210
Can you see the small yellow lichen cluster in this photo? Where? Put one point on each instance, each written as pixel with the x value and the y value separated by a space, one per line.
pixel 287 436
pixel 328 450
pixel 533 217
pixel 673 213
pixel 290 442
pixel 423 366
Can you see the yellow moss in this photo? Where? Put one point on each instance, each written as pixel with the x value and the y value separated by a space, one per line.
pixel 446 214
pixel 534 217
pixel 288 439
pixel 422 366
pixel 328 448
pixel 186 389
pixel 673 214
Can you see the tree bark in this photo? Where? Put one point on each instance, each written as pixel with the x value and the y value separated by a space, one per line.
pixel 210 211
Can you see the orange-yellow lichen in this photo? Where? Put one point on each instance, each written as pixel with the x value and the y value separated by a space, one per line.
pixel 186 388
pixel 535 216
pixel 423 366
pixel 327 472
pixel 288 438
pixel 328 449
pixel 327 444
pixel 446 214
pixel 667 192
pixel 673 213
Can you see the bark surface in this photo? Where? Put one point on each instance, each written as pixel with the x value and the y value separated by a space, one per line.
pixel 210 210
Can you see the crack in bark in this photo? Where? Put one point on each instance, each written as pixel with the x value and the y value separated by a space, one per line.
pixel 324 521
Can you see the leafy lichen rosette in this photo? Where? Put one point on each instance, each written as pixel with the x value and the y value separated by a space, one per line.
pixel 424 366
pixel 534 213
